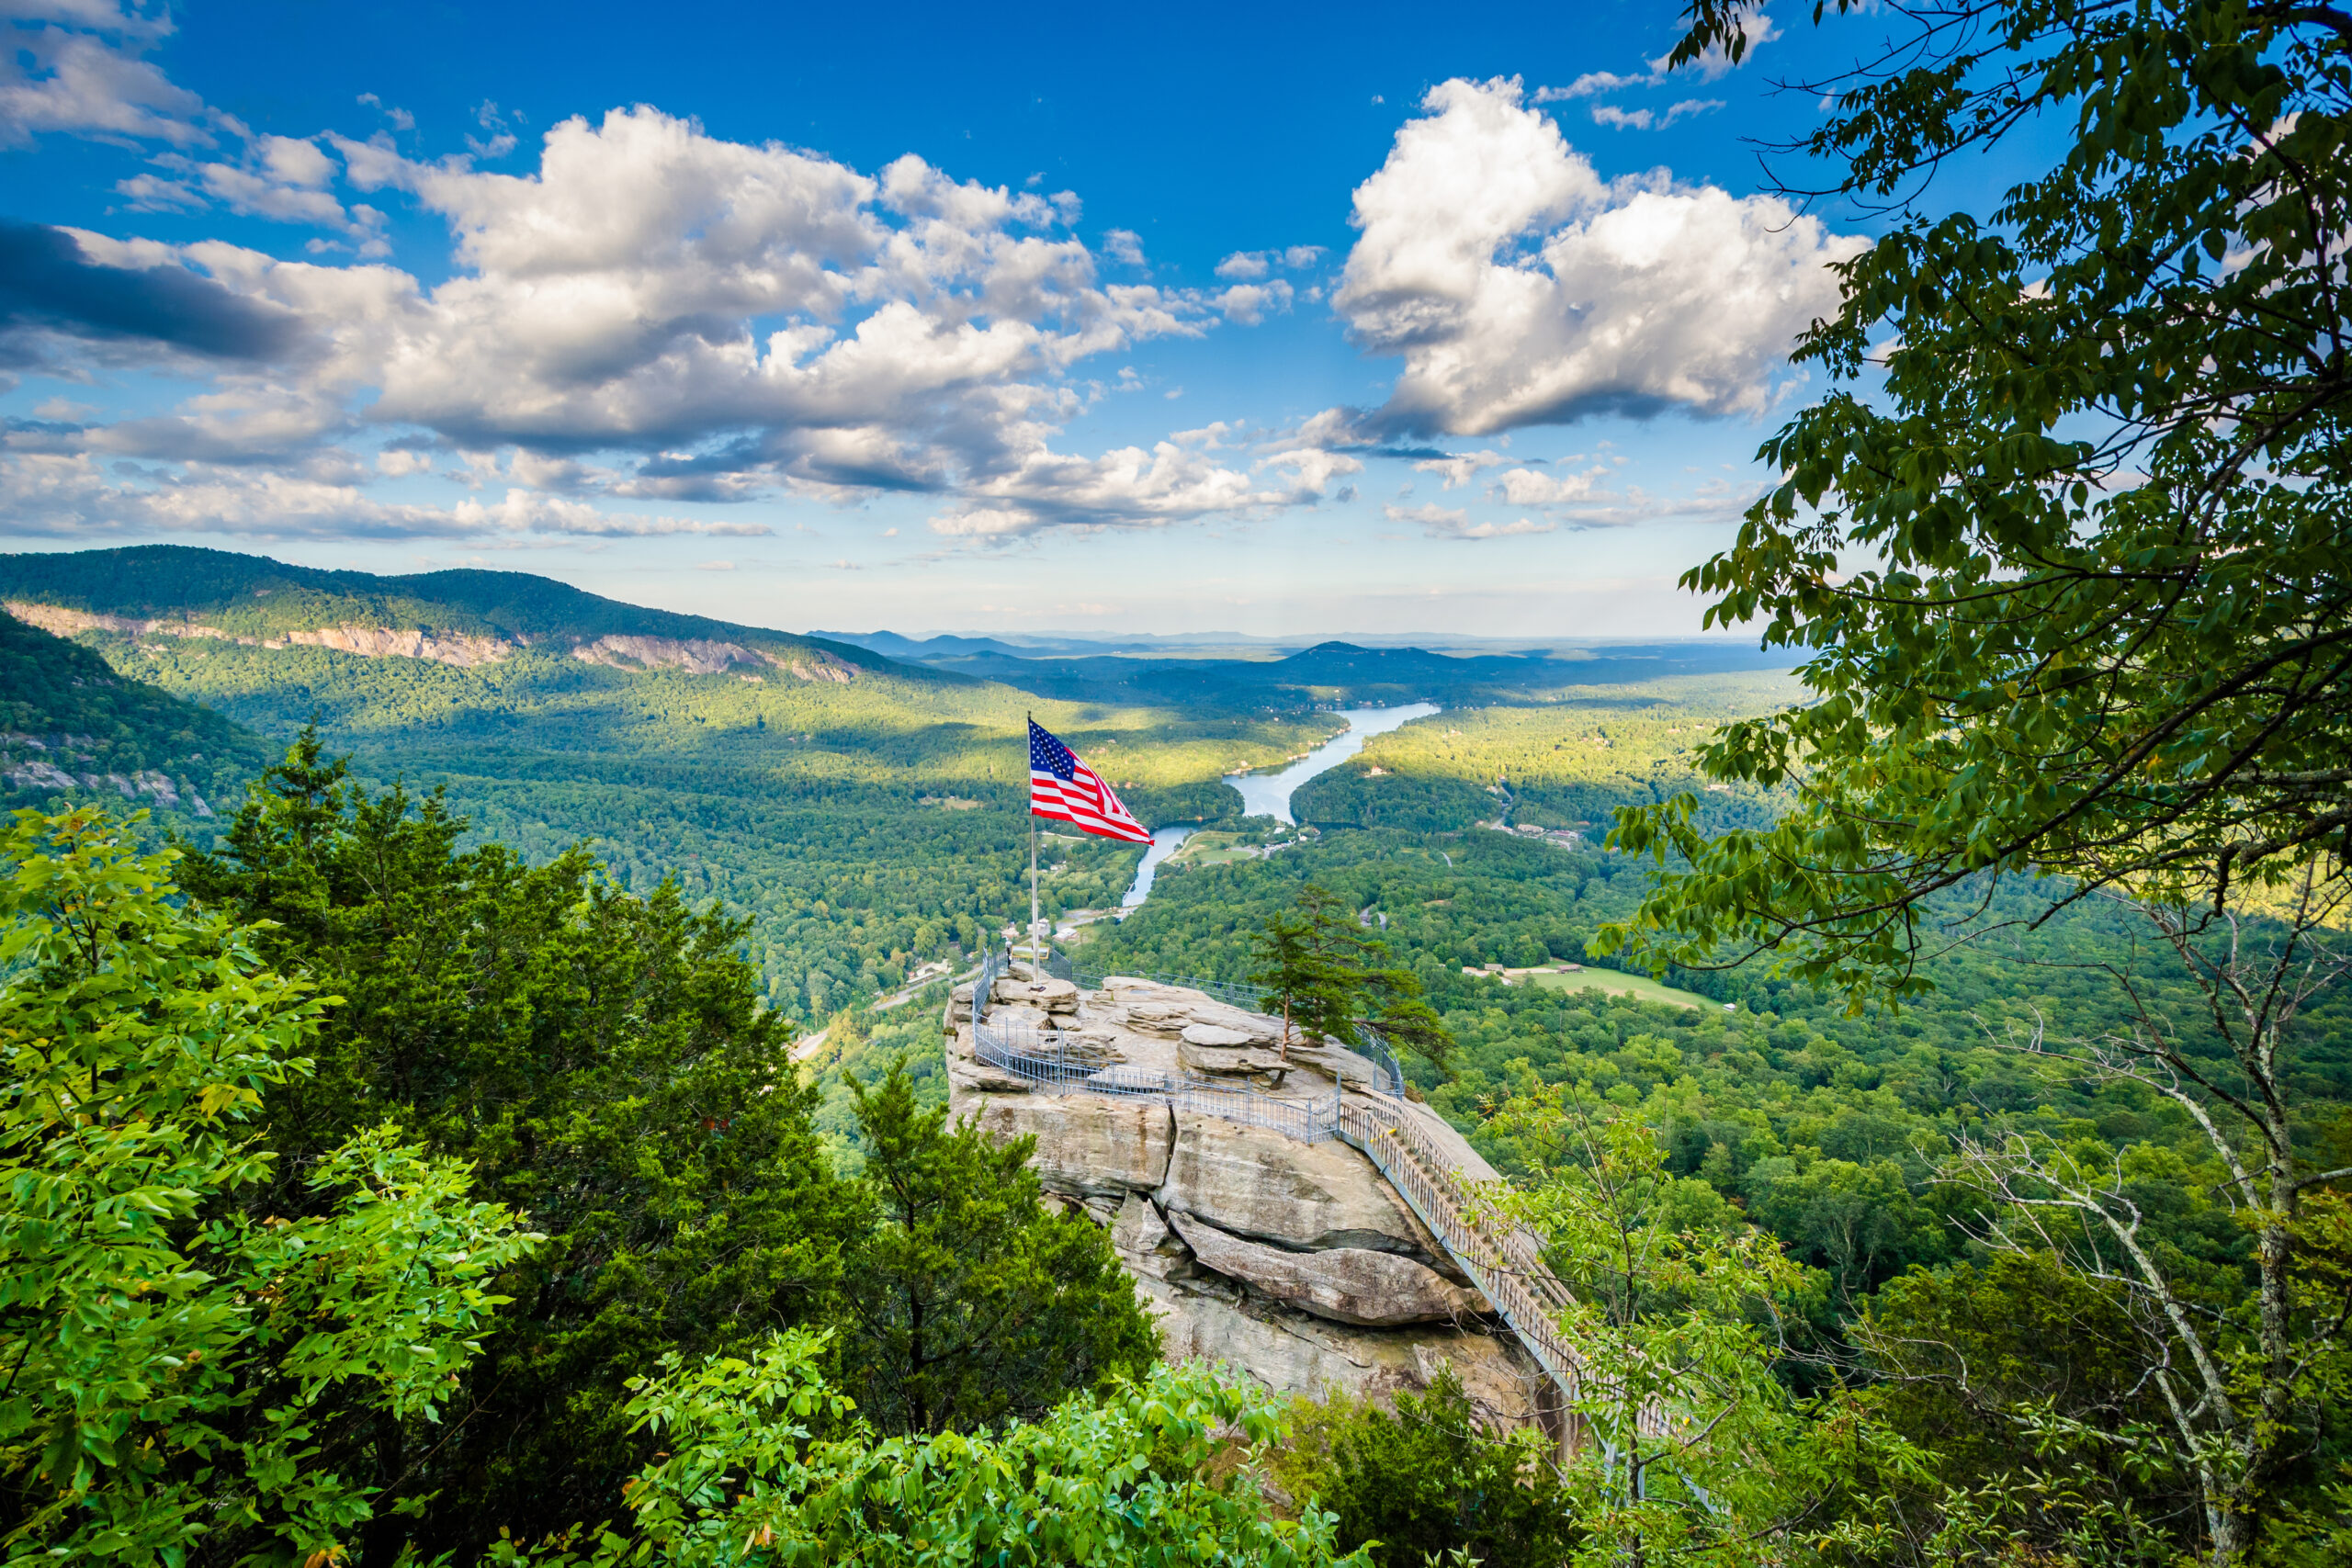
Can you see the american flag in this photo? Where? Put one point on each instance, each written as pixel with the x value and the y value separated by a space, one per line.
pixel 1062 786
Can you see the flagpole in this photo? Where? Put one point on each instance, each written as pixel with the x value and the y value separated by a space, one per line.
pixel 1033 876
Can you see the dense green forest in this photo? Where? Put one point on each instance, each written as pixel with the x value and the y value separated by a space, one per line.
pixel 868 817
pixel 867 824
pixel 227 597
pixel 383 1180
pixel 443 1194
pixel 1823 1125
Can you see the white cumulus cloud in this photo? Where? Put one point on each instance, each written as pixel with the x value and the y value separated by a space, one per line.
pixel 1650 120
pixel 1250 303
pixel 706 320
pixel 68 496
pixel 1248 266
pixel 1711 65
pixel 1458 470
pixel 75 66
pixel 1525 487
pixel 1521 288
pixel 1453 522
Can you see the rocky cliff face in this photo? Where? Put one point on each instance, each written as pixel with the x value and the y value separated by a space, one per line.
pixel 694 655
pixel 1296 1262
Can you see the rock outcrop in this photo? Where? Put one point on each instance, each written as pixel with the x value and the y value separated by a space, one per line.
pixel 61 622
pixel 1296 1262
pixel 464 649
pixel 1255 1182
pixel 1345 1284
pixel 1087 1146
pixel 697 656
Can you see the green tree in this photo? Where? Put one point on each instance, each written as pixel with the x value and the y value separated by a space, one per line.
pixel 194 1375
pixel 603 1062
pixel 1988 1369
pixel 1861 1222
pixel 1312 965
pixel 973 1300
pixel 1141 1474
pixel 1316 967
pixel 2073 589
pixel 2073 582
pixel 1409 1486
pixel 1688 1446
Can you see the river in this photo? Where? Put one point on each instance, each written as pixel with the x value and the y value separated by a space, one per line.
pixel 1268 795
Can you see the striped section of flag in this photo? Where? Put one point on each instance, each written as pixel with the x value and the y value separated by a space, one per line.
pixel 1062 787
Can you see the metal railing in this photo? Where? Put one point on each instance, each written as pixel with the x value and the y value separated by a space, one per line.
pixel 1495 1261
pixel 984 983
pixel 1500 1259
pixel 1387 1075
pixel 1058 1062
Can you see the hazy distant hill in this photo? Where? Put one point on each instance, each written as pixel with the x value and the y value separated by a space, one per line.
pixel 868 813
pixel 1331 674
pixel 72 729
pixel 935 649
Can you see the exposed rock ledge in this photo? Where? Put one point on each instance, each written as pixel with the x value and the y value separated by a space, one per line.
pixel 1345 1284
pixel 697 656
pixel 461 649
pixel 59 621
pixel 1296 1263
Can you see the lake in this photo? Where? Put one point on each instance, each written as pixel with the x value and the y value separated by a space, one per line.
pixel 1268 795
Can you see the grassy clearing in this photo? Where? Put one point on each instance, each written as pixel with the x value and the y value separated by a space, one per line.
pixel 1214 848
pixel 1617 984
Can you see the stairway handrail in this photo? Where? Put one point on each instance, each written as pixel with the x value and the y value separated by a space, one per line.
pixel 1412 1165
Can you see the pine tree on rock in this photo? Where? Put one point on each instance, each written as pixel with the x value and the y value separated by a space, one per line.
pixel 1316 967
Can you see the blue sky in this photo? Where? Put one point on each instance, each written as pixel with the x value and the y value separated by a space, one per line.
pixel 1269 320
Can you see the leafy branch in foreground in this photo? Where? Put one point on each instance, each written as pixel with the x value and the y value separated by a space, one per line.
pixel 2074 584
pixel 1687 1447
pixel 1131 1477
pixel 2073 587
pixel 187 1378
pixel 2245 1381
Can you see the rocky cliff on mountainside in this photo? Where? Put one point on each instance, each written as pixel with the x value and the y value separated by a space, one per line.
pixel 697 656
pixel 1297 1262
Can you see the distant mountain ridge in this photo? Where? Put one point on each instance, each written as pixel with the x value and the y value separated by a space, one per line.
pixel 1329 674
pixel 463 617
